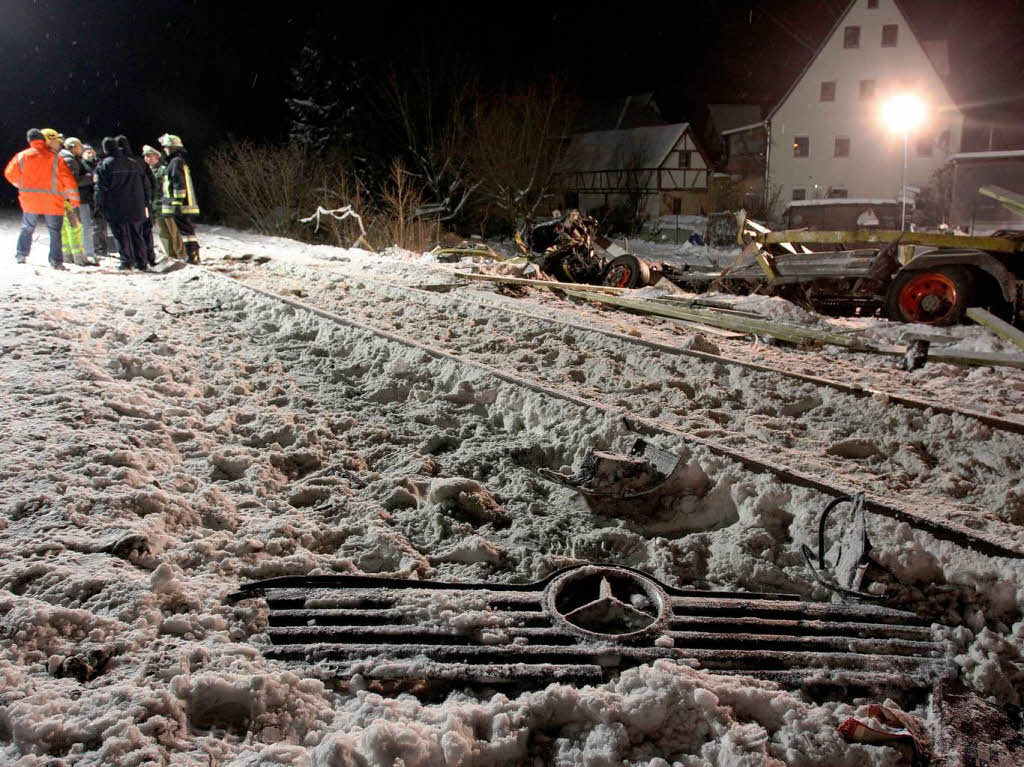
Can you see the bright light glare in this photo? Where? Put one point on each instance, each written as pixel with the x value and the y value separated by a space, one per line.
pixel 903 112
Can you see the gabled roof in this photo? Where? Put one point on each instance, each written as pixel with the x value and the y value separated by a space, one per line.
pixel 636 110
pixel 934 56
pixel 728 117
pixel 632 148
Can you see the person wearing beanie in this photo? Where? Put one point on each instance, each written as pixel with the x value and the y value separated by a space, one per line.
pixel 44 184
pixel 121 196
pixel 165 226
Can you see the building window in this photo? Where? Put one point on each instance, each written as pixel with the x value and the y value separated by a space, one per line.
pixel 842 146
pixel 851 37
pixel 801 146
pixel 799 194
pixel 684 159
pixel 889 35
pixel 872 3
pixel 925 146
pixel 837 193
pixel 828 91
pixel 867 90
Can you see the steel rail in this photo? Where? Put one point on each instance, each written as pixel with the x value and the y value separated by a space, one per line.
pixel 1009 543
pixel 1002 423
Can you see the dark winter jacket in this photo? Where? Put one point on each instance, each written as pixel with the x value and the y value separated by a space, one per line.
pixel 152 201
pixel 121 187
pixel 179 194
pixel 83 176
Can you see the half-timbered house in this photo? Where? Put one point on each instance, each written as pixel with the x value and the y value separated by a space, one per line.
pixel 657 170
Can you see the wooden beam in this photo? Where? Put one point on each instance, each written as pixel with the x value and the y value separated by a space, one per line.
pixel 792 333
pixel 978 359
pixel 1011 200
pixel 997 326
pixel 549 284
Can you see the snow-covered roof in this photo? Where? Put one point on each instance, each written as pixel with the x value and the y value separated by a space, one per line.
pixel 627 149
pixel 996 155
pixel 844 201
pixel 742 128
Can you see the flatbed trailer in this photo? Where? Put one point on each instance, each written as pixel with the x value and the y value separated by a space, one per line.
pixel 924 277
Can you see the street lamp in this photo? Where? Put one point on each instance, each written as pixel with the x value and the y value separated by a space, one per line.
pixel 902 113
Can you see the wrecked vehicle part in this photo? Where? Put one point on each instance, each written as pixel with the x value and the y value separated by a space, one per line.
pixel 585 624
pixel 627 271
pixel 641 485
pixel 853 561
pixel 565 248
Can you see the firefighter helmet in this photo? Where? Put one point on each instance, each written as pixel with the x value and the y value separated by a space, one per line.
pixel 170 141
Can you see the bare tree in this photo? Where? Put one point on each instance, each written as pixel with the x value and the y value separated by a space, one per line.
pixel 518 146
pixel 425 103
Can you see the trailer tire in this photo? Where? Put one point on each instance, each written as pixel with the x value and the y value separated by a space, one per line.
pixel 937 296
pixel 627 271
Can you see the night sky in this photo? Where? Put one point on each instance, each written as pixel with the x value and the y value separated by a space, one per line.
pixel 213 70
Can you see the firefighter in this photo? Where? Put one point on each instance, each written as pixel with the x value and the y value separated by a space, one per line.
pixel 121 195
pixel 77 237
pixel 44 184
pixel 165 226
pixel 179 196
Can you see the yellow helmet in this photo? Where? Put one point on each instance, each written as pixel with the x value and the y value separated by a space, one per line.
pixel 50 134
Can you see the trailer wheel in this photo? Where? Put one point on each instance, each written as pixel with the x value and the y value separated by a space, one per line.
pixel 933 297
pixel 627 271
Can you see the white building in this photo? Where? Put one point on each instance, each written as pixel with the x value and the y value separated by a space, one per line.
pixel 827 137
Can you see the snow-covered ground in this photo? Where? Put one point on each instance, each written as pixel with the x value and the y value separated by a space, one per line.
pixel 152 463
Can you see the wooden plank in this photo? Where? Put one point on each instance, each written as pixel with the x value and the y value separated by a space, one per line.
pixel 981 359
pixel 701 327
pixel 792 333
pixel 886 236
pixel 1011 200
pixel 996 325
pixel 550 285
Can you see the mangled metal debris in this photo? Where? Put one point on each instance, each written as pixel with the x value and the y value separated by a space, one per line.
pixel 568 248
pixel 658 490
pixel 853 562
pixel 614 484
pixel 587 623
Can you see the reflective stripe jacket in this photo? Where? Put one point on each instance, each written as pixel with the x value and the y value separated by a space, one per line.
pixel 43 180
pixel 179 195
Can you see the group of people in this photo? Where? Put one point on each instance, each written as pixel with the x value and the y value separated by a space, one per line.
pixel 61 181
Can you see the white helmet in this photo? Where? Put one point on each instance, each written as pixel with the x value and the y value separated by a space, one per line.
pixel 170 141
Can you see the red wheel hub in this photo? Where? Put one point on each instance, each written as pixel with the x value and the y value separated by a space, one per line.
pixel 929 297
pixel 619 277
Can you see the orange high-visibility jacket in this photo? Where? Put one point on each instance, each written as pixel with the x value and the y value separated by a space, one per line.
pixel 44 180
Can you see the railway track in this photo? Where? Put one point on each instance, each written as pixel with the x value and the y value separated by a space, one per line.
pixel 941 517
